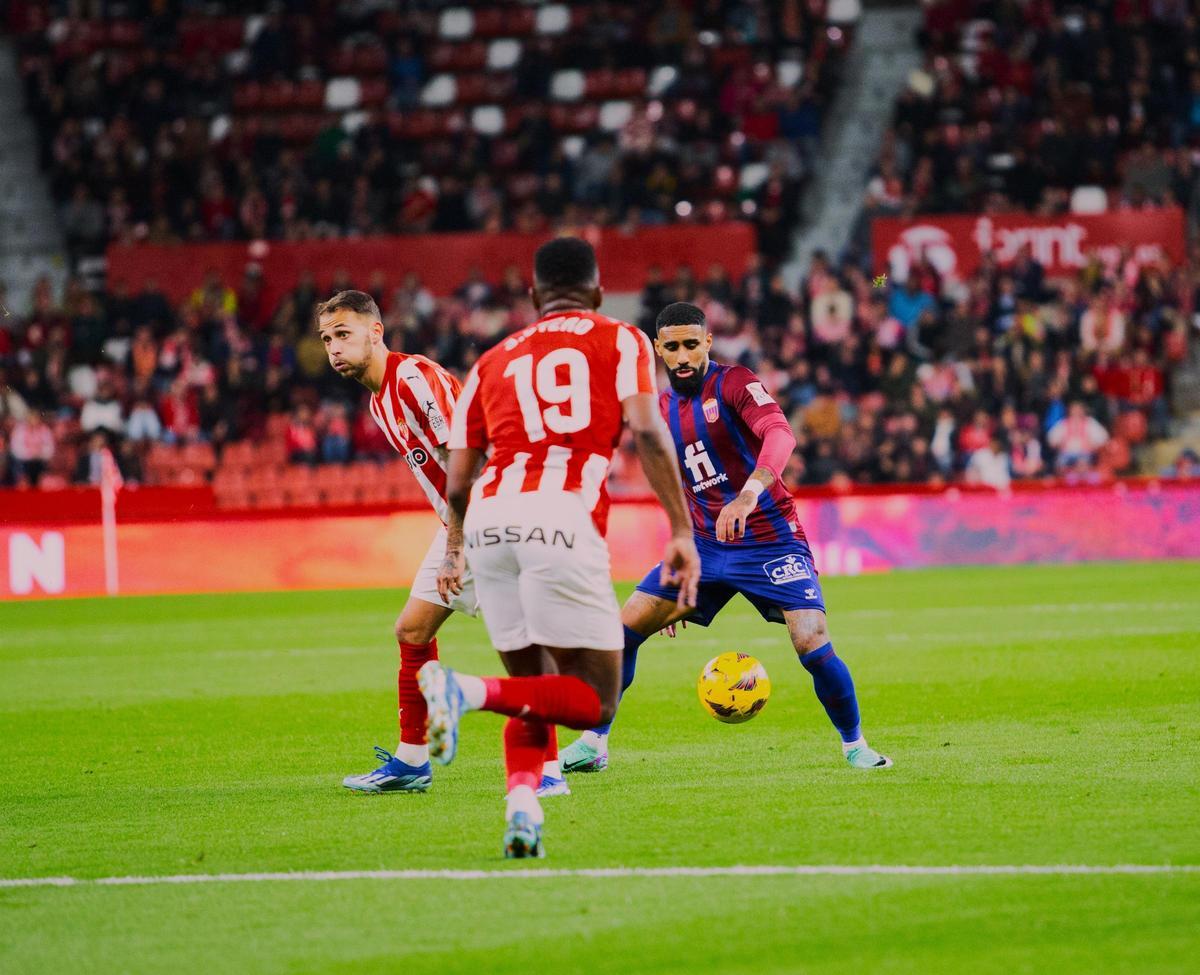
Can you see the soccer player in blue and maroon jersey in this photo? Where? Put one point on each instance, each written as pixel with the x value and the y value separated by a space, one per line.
pixel 733 442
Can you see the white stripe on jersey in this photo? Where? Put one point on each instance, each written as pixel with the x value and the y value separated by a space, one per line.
pixel 414 429
pixel 627 363
pixel 554 470
pixel 486 478
pixel 458 425
pixel 512 478
pixel 428 403
pixel 595 470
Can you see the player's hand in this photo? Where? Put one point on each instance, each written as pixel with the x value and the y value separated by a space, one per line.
pixel 681 567
pixel 449 577
pixel 669 629
pixel 731 522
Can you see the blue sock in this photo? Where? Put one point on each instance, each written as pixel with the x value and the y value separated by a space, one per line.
pixel 628 666
pixel 835 689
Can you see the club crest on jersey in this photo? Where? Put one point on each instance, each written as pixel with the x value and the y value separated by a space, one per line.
pixel 712 410
pixel 790 568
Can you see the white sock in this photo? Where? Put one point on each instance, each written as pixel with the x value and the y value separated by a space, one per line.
pixel 859 742
pixel 474 690
pixel 552 769
pixel 599 742
pixel 412 754
pixel 523 799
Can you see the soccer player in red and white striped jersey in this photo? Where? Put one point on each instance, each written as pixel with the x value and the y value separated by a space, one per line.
pixel 550 403
pixel 412 401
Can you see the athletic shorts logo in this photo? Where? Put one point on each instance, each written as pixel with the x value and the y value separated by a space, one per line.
pixel 790 568
pixel 712 410
pixel 416 458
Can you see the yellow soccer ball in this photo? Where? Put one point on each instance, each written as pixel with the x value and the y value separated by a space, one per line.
pixel 733 687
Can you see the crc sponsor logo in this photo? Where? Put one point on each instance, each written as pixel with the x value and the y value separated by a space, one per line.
pixel 790 568
pixel 701 467
pixel 518 534
pixel 417 457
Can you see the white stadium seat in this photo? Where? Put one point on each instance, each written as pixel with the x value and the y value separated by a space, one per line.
pixel 573 146
pixel 342 93
pixel 789 73
pixel 843 11
pixel 353 121
pixel 661 78
pixel 615 115
pixel 488 119
pixel 753 176
pixel 554 18
pixel 503 54
pixel 254 23
pixel 456 23
pixel 439 91
pixel 567 86
pixel 218 128
pixel 1089 199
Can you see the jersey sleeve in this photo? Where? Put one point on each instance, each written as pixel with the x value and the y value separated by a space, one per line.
pixel 468 428
pixel 635 363
pixel 744 392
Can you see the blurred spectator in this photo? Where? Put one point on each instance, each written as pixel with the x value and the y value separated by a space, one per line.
pixel 989 465
pixel 1076 437
pixel 32 447
pixel 301 439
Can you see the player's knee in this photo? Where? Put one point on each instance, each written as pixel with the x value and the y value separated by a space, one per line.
pixel 808 631
pixel 409 630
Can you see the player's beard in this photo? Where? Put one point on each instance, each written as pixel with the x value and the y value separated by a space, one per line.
pixel 687 386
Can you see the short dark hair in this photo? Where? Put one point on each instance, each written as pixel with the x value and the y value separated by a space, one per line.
pixel 679 313
pixel 355 301
pixel 565 263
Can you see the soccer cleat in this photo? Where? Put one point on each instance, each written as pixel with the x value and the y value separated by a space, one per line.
pixel 579 756
pixel 523 838
pixel 866 757
pixel 392 775
pixel 445 702
pixel 553 786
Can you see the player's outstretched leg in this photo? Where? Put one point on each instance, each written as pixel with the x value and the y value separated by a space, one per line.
pixel 833 685
pixel 589 752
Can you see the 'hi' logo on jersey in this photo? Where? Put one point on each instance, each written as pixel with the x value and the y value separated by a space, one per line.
pixel 700 466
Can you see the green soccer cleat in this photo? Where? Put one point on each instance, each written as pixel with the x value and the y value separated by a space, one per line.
pixel 864 756
pixel 579 756
pixel 523 838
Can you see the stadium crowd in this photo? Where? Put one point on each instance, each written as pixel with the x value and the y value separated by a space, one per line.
pixel 1045 106
pixel 1017 379
pixel 295 121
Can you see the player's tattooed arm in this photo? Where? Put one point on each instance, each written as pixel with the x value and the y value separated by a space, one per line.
pixel 462 470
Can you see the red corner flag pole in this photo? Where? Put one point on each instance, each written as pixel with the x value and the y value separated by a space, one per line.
pixel 110 484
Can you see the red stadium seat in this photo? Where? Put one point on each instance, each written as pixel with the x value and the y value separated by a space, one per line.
pixel 341 61
pixel 248 97
pixel 492 22
pixel 370 59
pixel 373 92
pixel 310 95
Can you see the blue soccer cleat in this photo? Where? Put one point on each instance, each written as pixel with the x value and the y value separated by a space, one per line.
pixel 553 785
pixel 446 706
pixel 523 838
pixel 392 775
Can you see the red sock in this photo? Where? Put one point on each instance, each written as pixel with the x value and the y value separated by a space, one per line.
pixel 524 749
pixel 553 698
pixel 412 705
pixel 552 743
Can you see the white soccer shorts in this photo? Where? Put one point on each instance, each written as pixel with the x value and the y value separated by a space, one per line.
pixel 424 586
pixel 542 572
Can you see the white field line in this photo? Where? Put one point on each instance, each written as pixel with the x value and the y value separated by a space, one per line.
pixel 800 870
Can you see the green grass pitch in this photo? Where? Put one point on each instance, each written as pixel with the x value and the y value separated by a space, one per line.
pixel 1036 716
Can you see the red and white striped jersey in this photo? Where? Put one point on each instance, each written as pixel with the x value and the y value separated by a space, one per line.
pixel 547 400
pixel 413 409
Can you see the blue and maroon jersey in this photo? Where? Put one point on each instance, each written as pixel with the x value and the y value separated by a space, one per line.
pixel 717 440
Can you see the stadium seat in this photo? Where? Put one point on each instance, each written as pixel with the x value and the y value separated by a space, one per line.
pixel 503 54
pixel 342 93
pixel 568 85
pixel 789 73
pixel 370 59
pixel 439 91
pixel 843 12
pixel 614 116
pixel 456 23
pixel 374 92
pixel 1089 199
pixel 488 120
pixel 661 79
pixel 553 18
pixel 310 95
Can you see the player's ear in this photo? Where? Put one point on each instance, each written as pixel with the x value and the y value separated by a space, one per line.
pixel 535 296
pixel 707 340
pixel 597 297
pixel 376 331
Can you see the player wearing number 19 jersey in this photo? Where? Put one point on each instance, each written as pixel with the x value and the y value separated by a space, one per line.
pixel 733 441
pixel 550 403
